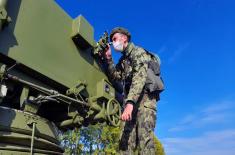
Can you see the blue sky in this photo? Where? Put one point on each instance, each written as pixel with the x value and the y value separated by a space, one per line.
pixel 195 40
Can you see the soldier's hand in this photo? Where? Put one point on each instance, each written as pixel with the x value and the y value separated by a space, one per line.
pixel 108 54
pixel 126 115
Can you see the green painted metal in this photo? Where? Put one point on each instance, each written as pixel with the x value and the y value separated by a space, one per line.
pixel 32 138
pixel 4 18
pixel 51 77
pixel 3 3
pixel 83 30
pixel 42 40
pixel 113 111
pixel 16 128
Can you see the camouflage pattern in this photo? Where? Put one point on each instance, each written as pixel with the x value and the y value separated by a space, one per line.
pixel 138 134
pixel 132 71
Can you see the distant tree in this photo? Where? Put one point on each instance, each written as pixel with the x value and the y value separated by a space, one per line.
pixel 98 140
pixel 110 139
pixel 159 147
pixel 90 138
pixel 70 142
pixel 94 139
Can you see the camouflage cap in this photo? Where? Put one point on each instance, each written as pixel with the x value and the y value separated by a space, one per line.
pixel 120 30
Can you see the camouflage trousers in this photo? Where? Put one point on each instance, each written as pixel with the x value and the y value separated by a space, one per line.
pixel 138 134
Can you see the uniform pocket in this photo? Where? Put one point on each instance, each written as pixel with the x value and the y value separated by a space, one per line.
pixel 150 105
pixel 150 102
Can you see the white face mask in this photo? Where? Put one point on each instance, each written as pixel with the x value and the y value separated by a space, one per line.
pixel 118 46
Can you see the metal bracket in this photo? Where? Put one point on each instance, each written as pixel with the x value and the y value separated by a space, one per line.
pixel 32 123
pixel 77 89
pixel 2 72
pixel 4 18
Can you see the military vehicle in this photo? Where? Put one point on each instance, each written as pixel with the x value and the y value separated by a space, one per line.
pixel 52 77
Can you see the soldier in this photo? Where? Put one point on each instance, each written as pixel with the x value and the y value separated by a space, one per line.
pixel 139 113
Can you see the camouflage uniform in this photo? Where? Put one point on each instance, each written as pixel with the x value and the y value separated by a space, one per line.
pixel 137 133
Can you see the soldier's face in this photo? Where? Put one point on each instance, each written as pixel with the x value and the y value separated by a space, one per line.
pixel 119 41
pixel 119 37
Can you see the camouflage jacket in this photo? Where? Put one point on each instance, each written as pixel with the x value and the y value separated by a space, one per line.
pixel 132 69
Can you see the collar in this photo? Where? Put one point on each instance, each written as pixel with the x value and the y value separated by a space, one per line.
pixel 129 49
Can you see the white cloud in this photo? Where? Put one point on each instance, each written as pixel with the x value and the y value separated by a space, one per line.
pixel 224 105
pixel 162 49
pixel 178 52
pixel 188 119
pixel 217 113
pixel 216 142
pixel 177 128
pixel 209 143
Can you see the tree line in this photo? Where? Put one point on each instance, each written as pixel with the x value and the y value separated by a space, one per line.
pixel 96 139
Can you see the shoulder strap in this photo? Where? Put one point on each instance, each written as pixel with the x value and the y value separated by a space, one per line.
pixel 154 56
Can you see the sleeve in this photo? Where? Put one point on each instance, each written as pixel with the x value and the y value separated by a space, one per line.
pixel 140 66
pixel 113 72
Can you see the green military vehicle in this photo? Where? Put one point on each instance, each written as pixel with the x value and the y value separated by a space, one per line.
pixel 51 77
